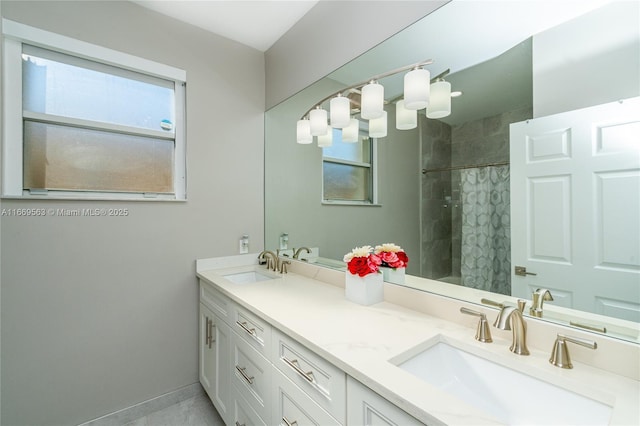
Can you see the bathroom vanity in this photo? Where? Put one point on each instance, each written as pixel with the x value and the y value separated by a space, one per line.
pixel 290 349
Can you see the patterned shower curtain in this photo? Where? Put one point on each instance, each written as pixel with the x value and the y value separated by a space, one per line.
pixel 486 229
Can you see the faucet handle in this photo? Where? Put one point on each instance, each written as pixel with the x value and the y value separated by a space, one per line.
pixel 560 353
pixel 483 332
pixel 283 265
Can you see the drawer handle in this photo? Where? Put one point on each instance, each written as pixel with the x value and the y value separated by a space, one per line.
pixel 294 364
pixel 308 376
pixel 210 326
pixel 244 375
pixel 238 424
pixel 288 423
pixel 250 331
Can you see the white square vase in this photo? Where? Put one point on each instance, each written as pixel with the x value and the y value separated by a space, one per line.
pixel 365 290
pixel 391 275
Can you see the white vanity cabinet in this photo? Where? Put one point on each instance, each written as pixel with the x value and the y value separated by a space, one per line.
pixel 367 408
pixel 255 374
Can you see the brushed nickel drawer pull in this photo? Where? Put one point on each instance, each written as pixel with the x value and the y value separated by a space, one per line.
pixel 294 364
pixel 288 423
pixel 206 333
pixel 210 326
pixel 243 325
pixel 244 375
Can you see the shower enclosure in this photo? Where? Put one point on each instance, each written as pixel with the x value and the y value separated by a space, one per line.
pixel 465 205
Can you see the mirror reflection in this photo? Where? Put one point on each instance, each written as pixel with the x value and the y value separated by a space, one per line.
pixel 444 190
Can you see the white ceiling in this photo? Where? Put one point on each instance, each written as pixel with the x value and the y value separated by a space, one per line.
pixel 255 23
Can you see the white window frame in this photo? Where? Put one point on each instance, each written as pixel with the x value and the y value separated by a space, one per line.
pixel 14 36
pixel 373 166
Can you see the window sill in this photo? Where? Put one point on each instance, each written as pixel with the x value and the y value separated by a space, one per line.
pixel 85 198
pixel 350 203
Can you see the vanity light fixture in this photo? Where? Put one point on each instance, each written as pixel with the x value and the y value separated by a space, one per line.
pixel 372 101
pixel 340 111
pixel 420 92
pixel 440 105
pixel 303 131
pixel 378 126
pixel 326 139
pixel 352 131
pixel 406 119
pixel 416 89
pixel 318 121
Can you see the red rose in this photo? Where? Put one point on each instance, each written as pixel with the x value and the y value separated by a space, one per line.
pixel 362 266
pixel 359 266
pixel 402 256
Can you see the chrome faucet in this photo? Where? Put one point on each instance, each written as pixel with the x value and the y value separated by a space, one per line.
pixel 269 258
pixel 540 296
pixel 510 318
pixel 297 252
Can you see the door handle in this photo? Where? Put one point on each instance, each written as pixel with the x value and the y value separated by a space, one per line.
pixel 522 271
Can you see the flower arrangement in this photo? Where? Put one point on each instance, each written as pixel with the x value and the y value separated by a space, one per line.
pixel 362 261
pixel 391 255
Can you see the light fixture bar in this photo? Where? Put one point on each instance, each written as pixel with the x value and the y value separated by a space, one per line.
pixel 374 78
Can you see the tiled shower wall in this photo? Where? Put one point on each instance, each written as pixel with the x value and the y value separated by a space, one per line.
pixel 476 142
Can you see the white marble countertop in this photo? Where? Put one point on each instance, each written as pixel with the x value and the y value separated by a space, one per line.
pixel 361 340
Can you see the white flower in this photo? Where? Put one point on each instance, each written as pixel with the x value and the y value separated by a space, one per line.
pixel 363 251
pixel 387 247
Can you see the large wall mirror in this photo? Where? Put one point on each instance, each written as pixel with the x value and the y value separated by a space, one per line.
pixel 534 63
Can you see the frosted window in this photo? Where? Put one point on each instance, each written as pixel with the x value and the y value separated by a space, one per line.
pixel 345 183
pixel 68 158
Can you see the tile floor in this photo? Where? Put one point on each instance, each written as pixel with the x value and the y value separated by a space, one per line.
pixel 195 411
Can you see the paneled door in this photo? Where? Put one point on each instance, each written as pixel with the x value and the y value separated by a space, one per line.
pixel 575 208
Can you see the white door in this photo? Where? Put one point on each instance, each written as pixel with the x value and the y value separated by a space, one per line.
pixel 575 208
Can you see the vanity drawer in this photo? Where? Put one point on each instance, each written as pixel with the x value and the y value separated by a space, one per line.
pixel 292 406
pixel 321 380
pixel 220 304
pixel 243 414
pixel 253 330
pixel 252 376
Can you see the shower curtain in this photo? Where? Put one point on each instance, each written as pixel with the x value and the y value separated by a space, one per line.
pixel 486 229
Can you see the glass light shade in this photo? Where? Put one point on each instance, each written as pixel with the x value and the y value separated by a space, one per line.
pixel 340 112
pixel 416 89
pixel 303 132
pixel 372 101
pixel 351 132
pixel 326 139
pixel 318 122
pixel 440 104
pixel 378 126
pixel 405 118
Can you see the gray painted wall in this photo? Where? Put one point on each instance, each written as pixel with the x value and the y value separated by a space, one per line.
pixel 332 34
pixel 101 313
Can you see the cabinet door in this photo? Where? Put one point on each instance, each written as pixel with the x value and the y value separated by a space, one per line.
pixel 215 360
pixel 367 408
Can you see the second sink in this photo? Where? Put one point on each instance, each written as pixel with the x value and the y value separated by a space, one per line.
pixel 509 395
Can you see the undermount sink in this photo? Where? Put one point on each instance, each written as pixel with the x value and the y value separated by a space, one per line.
pixel 248 277
pixel 509 395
